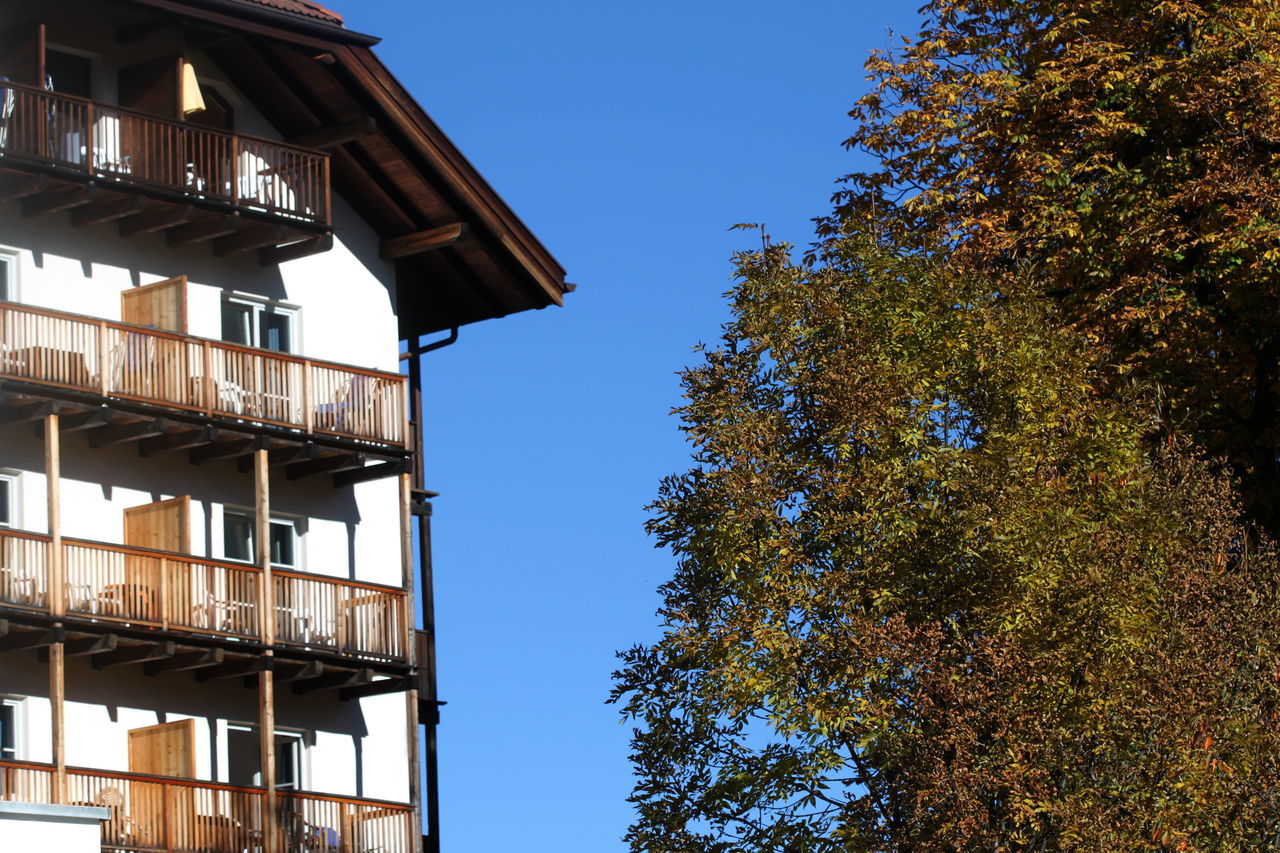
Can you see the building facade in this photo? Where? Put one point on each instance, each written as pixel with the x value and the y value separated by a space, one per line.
pixel 226 231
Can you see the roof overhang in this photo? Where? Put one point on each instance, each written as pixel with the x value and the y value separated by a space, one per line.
pixel 321 85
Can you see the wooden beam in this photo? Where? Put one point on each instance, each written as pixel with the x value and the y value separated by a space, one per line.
pixel 85 646
pixel 184 440
pixel 281 456
pixel 225 449
pixel 250 240
pixel 122 433
pixel 137 32
pixel 58 718
pixel 196 659
pixel 15 187
pixel 156 219
pixel 326 465
pixel 295 670
pixel 27 412
pixel 108 211
pixel 135 654
pixel 53 201
pixel 395 684
pixel 322 138
pixel 199 232
pixel 293 251
pixel 370 472
pixel 235 668
pixel 88 419
pixel 334 681
pixel 40 637
pixel 395 248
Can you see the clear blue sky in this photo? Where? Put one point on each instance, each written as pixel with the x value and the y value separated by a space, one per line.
pixel 629 136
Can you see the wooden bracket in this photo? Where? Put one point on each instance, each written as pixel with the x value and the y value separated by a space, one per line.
pixel 394 248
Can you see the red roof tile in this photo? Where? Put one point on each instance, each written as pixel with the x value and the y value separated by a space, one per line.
pixel 302 7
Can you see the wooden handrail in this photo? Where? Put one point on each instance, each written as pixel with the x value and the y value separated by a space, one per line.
pixel 150 150
pixel 179 336
pixel 158 590
pixel 214 132
pixel 203 376
pixel 197 783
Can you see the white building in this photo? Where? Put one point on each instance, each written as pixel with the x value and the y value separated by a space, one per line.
pixel 223 228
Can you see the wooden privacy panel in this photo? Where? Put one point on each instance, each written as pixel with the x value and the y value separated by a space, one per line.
pixel 162 526
pixel 22 53
pixel 168 749
pixel 162 305
pixel 153 87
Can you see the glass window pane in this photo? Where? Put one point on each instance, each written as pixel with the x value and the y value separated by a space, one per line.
pixel 4 279
pixel 8 737
pixel 6 510
pixel 237 536
pixel 287 746
pixel 237 324
pixel 282 544
pixel 277 331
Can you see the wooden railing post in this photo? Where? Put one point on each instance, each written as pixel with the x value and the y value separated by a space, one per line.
pixel 166 617
pixel 104 369
pixel 267 625
pixel 88 137
pixel 308 410
pixel 57 603
pixel 235 170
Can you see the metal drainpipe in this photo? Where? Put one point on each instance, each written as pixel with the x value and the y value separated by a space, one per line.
pixel 422 509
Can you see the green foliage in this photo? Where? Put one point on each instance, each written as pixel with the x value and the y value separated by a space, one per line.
pixel 935 592
pixel 1129 151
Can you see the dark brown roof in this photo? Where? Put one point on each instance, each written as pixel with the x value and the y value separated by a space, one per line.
pixel 302 7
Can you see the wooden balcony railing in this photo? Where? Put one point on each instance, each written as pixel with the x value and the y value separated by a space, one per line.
pixel 171 592
pixel 200 376
pixel 131 147
pixel 152 814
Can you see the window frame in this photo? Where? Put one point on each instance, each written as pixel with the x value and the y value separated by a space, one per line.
pixel 19 706
pixel 293 522
pixel 302 742
pixel 9 278
pixel 11 480
pixel 258 308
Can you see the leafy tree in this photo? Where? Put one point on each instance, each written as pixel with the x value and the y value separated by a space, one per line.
pixel 935 592
pixel 1129 151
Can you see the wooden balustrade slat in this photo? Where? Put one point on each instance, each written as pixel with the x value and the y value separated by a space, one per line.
pixel 201 376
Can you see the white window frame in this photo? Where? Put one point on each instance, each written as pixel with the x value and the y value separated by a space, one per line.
pixel 14 484
pixel 19 706
pixel 259 306
pixel 303 740
pixel 294 522
pixel 11 277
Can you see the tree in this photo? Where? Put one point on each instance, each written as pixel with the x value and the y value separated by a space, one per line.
pixel 935 592
pixel 1129 151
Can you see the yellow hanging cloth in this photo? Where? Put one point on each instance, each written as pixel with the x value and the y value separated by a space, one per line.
pixel 192 100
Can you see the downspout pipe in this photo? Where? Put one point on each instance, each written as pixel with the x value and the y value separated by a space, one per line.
pixel 422 510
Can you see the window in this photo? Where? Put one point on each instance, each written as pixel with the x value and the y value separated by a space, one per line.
pixel 238 539
pixel 244 767
pixel 8 278
pixel 71 74
pixel 8 500
pixel 11 729
pixel 217 113
pixel 265 325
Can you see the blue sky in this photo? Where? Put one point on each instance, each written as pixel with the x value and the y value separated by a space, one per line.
pixel 629 137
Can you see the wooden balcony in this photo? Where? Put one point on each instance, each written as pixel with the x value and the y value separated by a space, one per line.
pixel 120 149
pixel 153 814
pixel 205 378
pixel 113 585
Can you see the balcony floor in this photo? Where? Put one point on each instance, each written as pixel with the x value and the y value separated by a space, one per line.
pixel 185 219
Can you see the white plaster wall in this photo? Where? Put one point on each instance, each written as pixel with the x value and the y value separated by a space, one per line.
pixel 353 749
pixel 19 832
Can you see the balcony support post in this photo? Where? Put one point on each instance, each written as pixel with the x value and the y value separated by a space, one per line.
pixel 267 628
pixel 408 643
pixel 57 604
